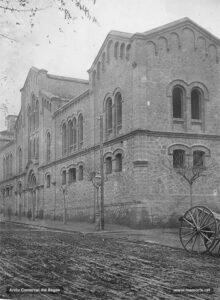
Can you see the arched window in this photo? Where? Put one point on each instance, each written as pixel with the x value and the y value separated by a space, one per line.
pixel 64 177
pixel 34 148
pixel 198 159
pixel 177 103
pixel 116 50
pixel 37 148
pixel 72 175
pixel 108 116
pixel 108 165
pixel 118 112
pixel 70 135
pixel 196 104
pixel 178 158
pixel 34 121
pixel 7 166
pixel 74 134
pixel 64 142
pixel 19 160
pixel 4 168
pixel 80 173
pixel 122 50
pixel 37 114
pixel 48 146
pixel 10 164
pixel 118 162
pixel 128 49
pixel 48 181
pixel 80 131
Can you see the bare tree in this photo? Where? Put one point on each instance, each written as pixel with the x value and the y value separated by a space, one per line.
pixel 189 169
pixel 32 7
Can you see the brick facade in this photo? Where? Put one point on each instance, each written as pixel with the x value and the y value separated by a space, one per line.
pixel 131 83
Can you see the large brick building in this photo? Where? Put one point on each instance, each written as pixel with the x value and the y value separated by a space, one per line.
pixel 159 94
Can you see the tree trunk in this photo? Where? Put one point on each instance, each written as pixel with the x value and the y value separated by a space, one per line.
pixel 64 208
pixel 190 190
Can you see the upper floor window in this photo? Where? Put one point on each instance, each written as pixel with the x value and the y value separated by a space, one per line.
pixel 48 181
pixel 10 164
pixel 37 114
pixel 196 104
pixel 48 147
pixel 108 163
pixel 108 118
pixel 198 158
pixel 178 158
pixel 64 140
pixel 116 50
pixel 19 160
pixel 4 168
pixel 177 103
pixel 64 177
pixel 118 112
pixel 74 134
pixel 70 135
pixel 72 175
pixel 118 162
pixel 80 131
pixel 80 173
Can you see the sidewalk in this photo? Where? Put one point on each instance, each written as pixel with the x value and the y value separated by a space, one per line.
pixel 163 236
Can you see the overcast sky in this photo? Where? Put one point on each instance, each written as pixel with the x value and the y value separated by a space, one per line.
pixel 71 50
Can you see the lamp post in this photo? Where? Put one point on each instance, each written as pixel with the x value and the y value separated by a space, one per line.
pixel 102 174
pixel 96 181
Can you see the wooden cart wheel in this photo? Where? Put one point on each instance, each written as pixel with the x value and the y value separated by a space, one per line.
pixel 214 248
pixel 198 230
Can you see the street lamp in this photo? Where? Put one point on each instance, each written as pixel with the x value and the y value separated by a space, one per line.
pixel 97 181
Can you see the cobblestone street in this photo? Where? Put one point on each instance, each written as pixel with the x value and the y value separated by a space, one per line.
pixel 91 266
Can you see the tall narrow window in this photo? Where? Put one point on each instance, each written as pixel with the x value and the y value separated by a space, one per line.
pixel 122 50
pixel 118 112
pixel 80 131
pixel 10 164
pixel 70 135
pixel 72 175
pixel 37 114
pixel 178 158
pixel 4 168
pixel 108 118
pixel 37 148
pixel 74 133
pixel 64 177
pixel 118 162
pixel 128 49
pixel 48 181
pixel 34 148
pixel 116 50
pixel 196 104
pixel 198 158
pixel 108 163
pixel 80 174
pixel 64 142
pixel 177 103
pixel 19 160
pixel 48 146
pixel 7 166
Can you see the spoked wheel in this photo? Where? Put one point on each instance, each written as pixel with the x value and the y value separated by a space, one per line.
pixel 198 230
pixel 215 246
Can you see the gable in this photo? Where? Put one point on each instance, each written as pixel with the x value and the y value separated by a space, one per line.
pixel 181 35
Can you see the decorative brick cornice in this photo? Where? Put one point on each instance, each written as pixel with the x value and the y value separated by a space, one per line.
pixel 127 136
